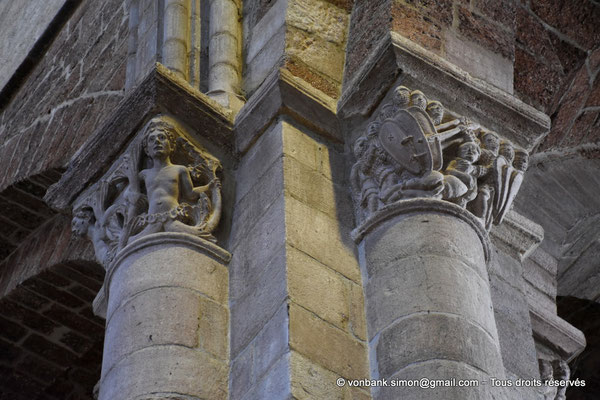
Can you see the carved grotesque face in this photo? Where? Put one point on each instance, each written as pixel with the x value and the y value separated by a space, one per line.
pixel 490 142
pixel 418 99
pixel 158 142
pixel 507 151
pixel 521 160
pixel 81 222
pixel 469 151
pixel 436 112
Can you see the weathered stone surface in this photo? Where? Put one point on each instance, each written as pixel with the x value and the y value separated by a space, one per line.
pixel 578 20
pixel 511 312
pixel 188 269
pixel 419 284
pixel 251 311
pixel 441 369
pixel 266 247
pixel 319 289
pixel 486 33
pixel 166 316
pixel 143 378
pixel 271 343
pixel 393 241
pixel 326 345
pixel 310 381
pixel 275 384
pixel 309 230
pixel 448 338
pixel 19 41
pixel 479 61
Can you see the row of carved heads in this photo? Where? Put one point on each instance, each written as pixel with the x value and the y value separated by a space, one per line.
pixel 412 149
pixel 163 183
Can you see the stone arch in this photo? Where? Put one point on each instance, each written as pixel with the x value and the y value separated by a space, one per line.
pixel 50 339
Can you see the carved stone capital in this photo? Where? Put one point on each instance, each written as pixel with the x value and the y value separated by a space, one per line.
pixel 413 148
pixel 161 183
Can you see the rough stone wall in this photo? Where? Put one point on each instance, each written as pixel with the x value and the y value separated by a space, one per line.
pixel 73 88
pixel 51 343
pixel 557 61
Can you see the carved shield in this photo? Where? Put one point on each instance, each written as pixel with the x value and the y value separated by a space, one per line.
pixel 404 140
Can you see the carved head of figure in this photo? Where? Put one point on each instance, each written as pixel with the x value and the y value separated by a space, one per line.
pixel 418 99
pixel 435 111
pixel 360 146
pixel 507 150
pixel 159 138
pixel 82 220
pixel 373 129
pixel 469 151
pixel 402 96
pixel 521 161
pixel 490 141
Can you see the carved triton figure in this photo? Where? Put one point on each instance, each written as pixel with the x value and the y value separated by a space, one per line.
pixel 162 184
pixel 171 192
pixel 410 151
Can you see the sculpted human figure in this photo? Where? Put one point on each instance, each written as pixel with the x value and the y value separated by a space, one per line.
pixel 464 169
pixel 84 223
pixel 481 206
pixel 418 99
pixel 361 178
pixel 435 109
pixel 169 187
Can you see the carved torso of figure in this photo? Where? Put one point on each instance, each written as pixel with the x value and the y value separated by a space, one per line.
pixel 165 186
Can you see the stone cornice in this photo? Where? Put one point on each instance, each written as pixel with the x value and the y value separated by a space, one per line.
pixel 462 93
pixel 160 92
pixel 517 235
pixel 283 93
pixel 557 334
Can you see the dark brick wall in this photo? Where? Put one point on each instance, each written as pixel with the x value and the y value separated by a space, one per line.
pixel 48 245
pixel 74 86
pixel 22 210
pixel 556 67
pixel 488 23
pixel 50 342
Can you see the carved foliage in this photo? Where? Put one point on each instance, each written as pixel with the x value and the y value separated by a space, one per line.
pixel 410 150
pixel 163 183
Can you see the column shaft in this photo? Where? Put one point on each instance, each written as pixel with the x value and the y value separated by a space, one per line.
pixel 167 320
pixel 429 307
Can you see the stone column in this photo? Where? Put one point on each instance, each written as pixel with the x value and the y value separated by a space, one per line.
pixel 165 294
pixel 427 190
pixel 429 308
pixel 167 321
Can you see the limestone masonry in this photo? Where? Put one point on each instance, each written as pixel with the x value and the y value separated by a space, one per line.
pixel 300 199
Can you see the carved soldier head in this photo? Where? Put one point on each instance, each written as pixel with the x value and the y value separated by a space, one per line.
pixel 469 151
pixel 521 161
pixel 402 96
pixel 507 151
pixel 82 220
pixel 490 141
pixel 159 138
pixel 435 111
pixel 418 99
